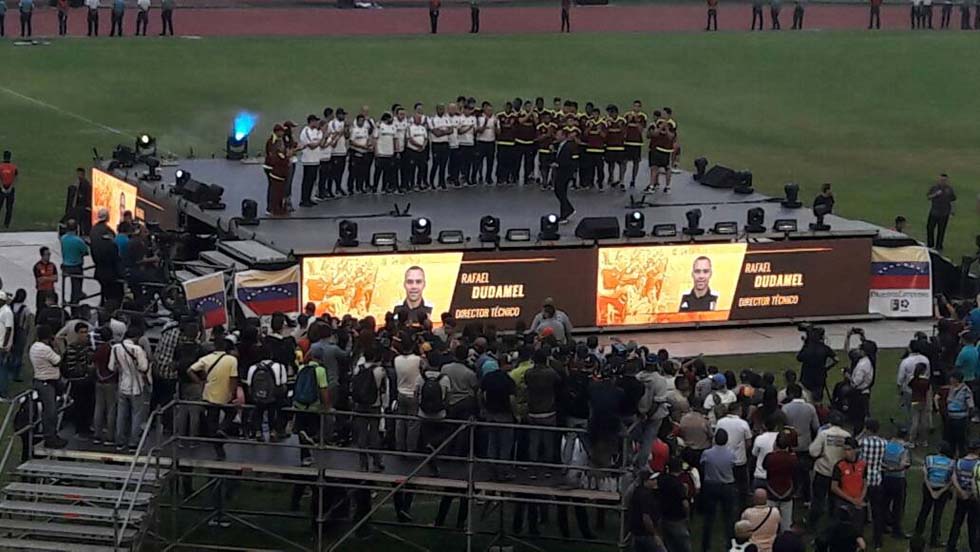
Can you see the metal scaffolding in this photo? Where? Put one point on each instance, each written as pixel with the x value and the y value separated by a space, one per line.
pixel 166 456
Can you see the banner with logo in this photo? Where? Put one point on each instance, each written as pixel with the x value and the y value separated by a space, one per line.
pixel 901 282
pixel 265 292
pixel 206 296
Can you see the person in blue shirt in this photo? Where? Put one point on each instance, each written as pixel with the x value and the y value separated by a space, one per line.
pixel 122 238
pixel 118 9
pixel 73 253
pixel 26 11
pixel 968 360
pixel 894 470
pixel 937 479
pixel 966 500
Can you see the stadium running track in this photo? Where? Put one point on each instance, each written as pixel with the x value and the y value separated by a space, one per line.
pixel 312 21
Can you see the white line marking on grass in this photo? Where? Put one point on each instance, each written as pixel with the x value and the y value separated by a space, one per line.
pixel 57 109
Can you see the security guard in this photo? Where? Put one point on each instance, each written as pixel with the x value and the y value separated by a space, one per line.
pixel 507 127
pixel 615 146
pixel 546 132
pixel 592 172
pixel 636 124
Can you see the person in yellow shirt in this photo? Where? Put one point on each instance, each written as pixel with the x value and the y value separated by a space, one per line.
pixel 218 372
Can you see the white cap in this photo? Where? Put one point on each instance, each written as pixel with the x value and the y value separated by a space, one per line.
pixel 4 296
pixel 103 214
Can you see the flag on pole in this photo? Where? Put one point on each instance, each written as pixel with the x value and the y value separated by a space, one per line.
pixel 264 292
pixel 206 296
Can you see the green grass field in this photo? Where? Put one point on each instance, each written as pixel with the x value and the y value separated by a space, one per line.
pixel 879 115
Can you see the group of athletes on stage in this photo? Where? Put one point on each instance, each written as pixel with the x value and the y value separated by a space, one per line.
pixel 464 143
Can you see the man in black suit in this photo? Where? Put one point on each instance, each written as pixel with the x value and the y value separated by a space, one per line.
pixel 565 172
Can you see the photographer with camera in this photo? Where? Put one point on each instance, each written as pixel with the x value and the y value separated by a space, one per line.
pixel 816 358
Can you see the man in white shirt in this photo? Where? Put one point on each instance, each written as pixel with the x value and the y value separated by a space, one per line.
pixel 384 154
pixel 93 17
pixel 408 370
pixel 323 191
pixel 309 156
pixel 6 340
pixel 466 130
pixel 46 382
pixel 927 14
pixel 133 400
pixel 440 128
pixel 416 140
pixel 401 123
pixel 763 445
pixel 452 111
pixel 906 371
pixel 339 132
pixel 739 437
pixel 486 144
pixel 142 16
pixel 360 149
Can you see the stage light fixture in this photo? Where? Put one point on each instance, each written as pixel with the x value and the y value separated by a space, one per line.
pixel 490 229
pixel 549 228
pixel 151 174
pixel 347 230
pixel 792 191
pixel 250 213
pixel 384 239
pixel 123 156
pixel 181 178
pixel 451 237
pixel 211 197
pixel 784 225
pixel 518 235
pixel 820 211
pixel 664 230
pixel 146 145
pixel 726 228
pixel 700 165
pixel 421 231
pixel 756 222
pixel 744 185
pixel 693 227
pixel 635 222
pixel 236 149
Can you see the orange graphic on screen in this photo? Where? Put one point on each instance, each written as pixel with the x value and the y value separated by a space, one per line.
pixel 114 194
pixel 667 284
pixel 377 284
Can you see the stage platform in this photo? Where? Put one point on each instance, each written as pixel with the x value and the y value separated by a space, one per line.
pixel 314 230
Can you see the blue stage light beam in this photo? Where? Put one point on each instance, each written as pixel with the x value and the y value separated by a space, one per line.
pixel 243 125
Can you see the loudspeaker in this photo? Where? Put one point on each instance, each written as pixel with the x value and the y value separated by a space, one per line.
pixel 598 228
pixel 720 177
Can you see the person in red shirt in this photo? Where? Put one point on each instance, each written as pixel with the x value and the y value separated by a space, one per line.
pixel 277 169
pixel 8 177
pixel 62 17
pixel 780 466
pixel 874 21
pixel 434 6
pixel 566 23
pixel 712 15
pixel 45 276
pixel 847 483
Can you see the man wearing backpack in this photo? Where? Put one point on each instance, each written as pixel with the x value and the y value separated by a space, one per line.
pixel 218 373
pixel 959 408
pixel 431 391
pixel 311 396
pixel 463 385
pixel 266 384
pixel 368 384
pixel 133 400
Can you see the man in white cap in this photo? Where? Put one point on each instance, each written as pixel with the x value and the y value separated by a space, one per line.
pixel 554 320
pixel 6 340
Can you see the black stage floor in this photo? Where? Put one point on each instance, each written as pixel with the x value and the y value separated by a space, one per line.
pixel 314 230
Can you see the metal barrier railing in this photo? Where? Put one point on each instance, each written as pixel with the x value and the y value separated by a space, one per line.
pixel 470 428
